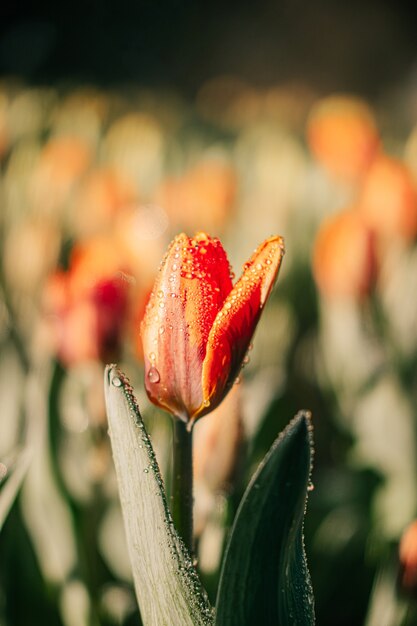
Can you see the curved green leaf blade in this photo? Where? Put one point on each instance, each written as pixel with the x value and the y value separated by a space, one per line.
pixel 264 577
pixel 167 587
pixel 9 487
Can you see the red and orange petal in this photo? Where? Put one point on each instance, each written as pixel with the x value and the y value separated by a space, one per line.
pixel 190 289
pixel 344 256
pixel 343 136
pixel 235 323
pixel 388 200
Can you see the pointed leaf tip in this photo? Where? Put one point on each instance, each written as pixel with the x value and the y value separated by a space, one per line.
pixel 264 577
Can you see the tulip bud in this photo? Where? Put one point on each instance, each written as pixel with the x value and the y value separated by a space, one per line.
pixel 197 326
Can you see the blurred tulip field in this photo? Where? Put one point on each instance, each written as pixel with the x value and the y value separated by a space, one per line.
pixel 94 184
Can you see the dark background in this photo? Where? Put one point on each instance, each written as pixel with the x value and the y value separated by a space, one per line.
pixel 359 45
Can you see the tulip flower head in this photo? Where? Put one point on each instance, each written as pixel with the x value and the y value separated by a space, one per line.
pixel 197 326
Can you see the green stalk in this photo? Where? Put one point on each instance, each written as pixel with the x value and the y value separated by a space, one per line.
pixel 182 483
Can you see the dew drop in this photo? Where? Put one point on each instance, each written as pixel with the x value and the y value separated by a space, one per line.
pixel 161 330
pixel 153 375
pixel 146 471
pixel 162 305
pixel 160 294
pixel 246 359
pixel 237 380
pixel 206 403
pixel 310 486
pixel 152 356
pixel 116 382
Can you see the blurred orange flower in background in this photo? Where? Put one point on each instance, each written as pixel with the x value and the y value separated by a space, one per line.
pixel 203 197
pixel 388 199
pixel 61 163
pixel 198 326
pixel 104 193
pixel 217 443
pixel 344 256
pixel 88 305
pixel 343 136
pixel 408 559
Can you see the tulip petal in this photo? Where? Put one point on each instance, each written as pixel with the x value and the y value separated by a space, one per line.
pixel 235 323
pixel 190 289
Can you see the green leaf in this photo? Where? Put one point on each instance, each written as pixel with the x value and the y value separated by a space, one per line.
pixel 264 578
pixel 167 587
pixel 12 481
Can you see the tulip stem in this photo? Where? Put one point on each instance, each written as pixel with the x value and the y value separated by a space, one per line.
pixel 182 483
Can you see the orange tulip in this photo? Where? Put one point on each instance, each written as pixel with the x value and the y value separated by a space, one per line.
pixel 344 256
pixel 388 200
pixel 197 326
pixel 343 136
pixel 88 305
pixel 408 559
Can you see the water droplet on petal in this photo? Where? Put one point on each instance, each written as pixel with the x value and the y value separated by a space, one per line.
pixel 237 380
pixel 153 375
pixel 310 486
pixel 206 403
pixel 152 356
pixel 116 382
